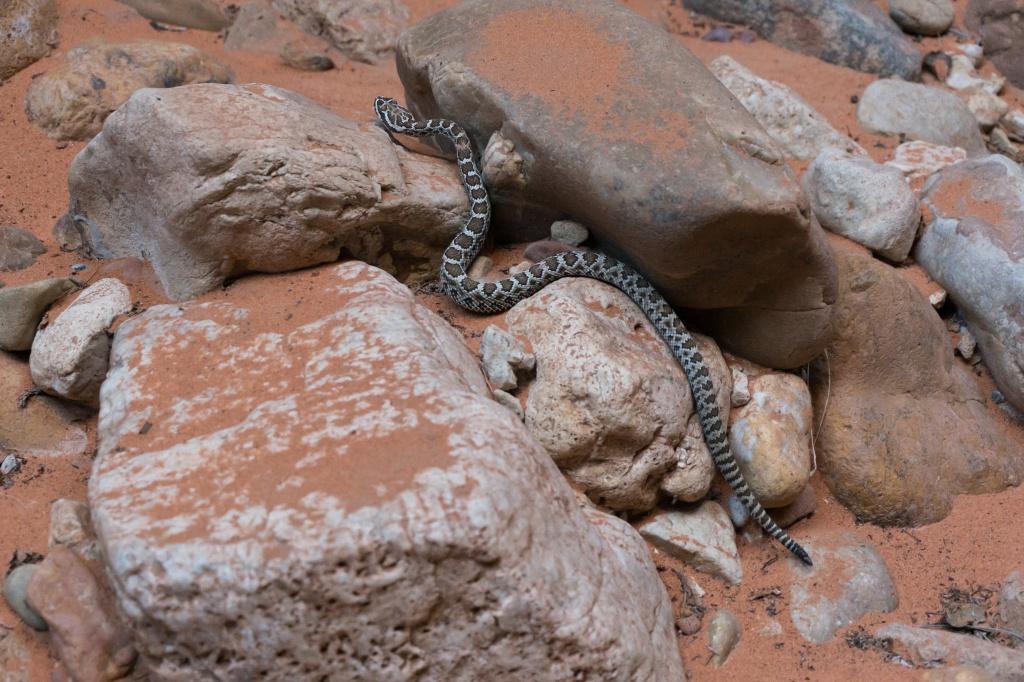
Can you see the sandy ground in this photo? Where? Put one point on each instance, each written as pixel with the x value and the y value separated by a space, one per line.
pixel 977 545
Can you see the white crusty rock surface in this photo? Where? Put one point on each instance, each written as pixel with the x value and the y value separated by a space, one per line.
pixel 609 402
pixel 870 203
pixel 332 488
pixel 294 185
pixel 800 130
pixel 69 356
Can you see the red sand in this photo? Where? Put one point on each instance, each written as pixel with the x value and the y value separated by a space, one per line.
pixel 978 544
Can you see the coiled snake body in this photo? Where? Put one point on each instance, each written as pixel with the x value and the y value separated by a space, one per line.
pixel 496 297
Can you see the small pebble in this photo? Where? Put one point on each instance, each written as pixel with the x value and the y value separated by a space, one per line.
pixel 78 267
pixel 723 635
pixel 520 267
pixel 719 34
pixel 740 388
pixel 538 251
pixel 15 591
pixel 508 400
pixel 690 625
pixel 10 464
pixel 966 343
pixel 569 232
pixel 938 298
pixel 737 511
pixel 480 267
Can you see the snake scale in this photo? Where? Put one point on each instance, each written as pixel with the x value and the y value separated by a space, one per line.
pixel 499 296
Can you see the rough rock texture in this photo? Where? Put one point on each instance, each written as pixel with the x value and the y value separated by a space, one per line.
pixel 87 632
pixel 699 199
pixel 18 248
pixel 336 478
pixel 22 307
pixel 28 29
pixel 502 356
pixel 770 437
pixel 894 107
pixel 71 527
pixel 923 17
pixel 1001 24
pixel 610 403
pixel 963 75
pixel 45 427
pixel 974 248
pixel 917 160
pixel 14 657
pixel 848 580
pixel 928 647
pixel 293 186
pixel 69 357
pixel 988 109
pixel 364 30
pixel 1011 602
pixel 260 27
pixel 71 101
pixel 202 14
pixel 905 429
pixel 723 635
pixel 853 33
pixel 794 124
pixel 702 537
pixel 865 201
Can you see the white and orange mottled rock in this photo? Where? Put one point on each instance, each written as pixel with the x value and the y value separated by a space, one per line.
pixel 312 477
pixel 609 402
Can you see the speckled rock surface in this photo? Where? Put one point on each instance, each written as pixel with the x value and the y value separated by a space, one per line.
pixel 609 402
pixel 336 478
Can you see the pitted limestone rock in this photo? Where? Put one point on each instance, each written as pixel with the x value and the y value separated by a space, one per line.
pixel 336 478
pixel 609 402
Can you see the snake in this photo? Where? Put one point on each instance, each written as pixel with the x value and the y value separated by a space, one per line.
pixel 498 296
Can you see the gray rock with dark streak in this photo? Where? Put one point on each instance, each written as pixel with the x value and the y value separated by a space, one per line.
pixel 920 112
pixel 974 248
pixel 1001 25
pixel 625 130
pixel 849 579
pixel 853 33
pixel 18 248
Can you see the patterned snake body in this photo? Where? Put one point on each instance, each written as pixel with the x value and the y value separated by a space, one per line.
pixel 496 297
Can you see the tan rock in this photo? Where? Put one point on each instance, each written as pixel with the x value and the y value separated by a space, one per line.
pixel 332 488
pixel 918 160
pixel 22 307
pixel 72 101
pixel 905 428
pixel 771 438
pixel 294 185
pixel 701 537
pixel 927 647
pixel 71 527
pixel 88 634
pixel 202 14
pixel 363 30
pixel 28 30
pixel 609 402
pixel 957 673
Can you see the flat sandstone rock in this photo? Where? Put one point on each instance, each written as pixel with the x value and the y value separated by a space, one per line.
pixel 623 129
pixel 331 488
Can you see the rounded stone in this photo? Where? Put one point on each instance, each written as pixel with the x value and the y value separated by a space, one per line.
pixel 16 591
pixel 922 17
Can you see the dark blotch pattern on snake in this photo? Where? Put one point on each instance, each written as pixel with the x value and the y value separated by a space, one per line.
pixel 496 297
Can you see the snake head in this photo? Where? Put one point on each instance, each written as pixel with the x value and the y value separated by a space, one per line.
pixel 394 116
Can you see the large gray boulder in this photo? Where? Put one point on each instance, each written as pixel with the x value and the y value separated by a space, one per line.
pixel 293 185
pixel 330 492
pixel 618 126
pixel 853 33
pixel 974 248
